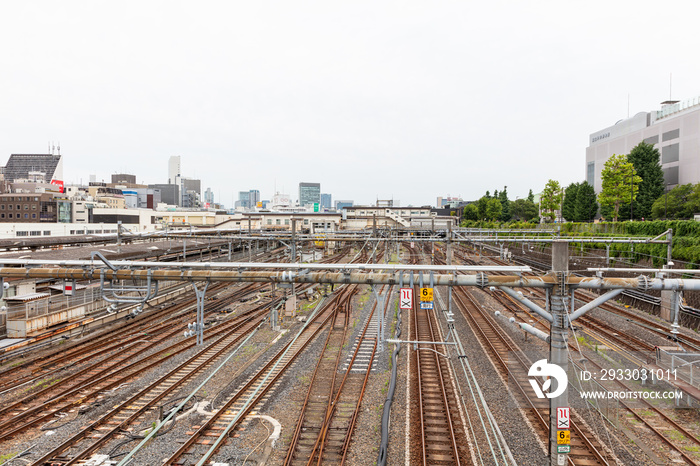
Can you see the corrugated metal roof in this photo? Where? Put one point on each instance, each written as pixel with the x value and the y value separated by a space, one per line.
pixel 28 297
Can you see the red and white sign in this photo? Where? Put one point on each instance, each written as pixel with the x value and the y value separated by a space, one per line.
pixel 406 299
pixel 563 418
pixel 58 183
pixel 68 288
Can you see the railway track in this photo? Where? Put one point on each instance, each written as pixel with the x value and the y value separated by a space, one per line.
pixel 328 415
pixel 121 417
pixel 441 436
pixel 322 387
pixel 118 367
pixel 585 447
pixel 436 426
pixel 102 348
pixel 653 418
pixel 649 415
pixel 214 433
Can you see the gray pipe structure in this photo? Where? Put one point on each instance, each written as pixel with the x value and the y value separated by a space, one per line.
pixel 375 278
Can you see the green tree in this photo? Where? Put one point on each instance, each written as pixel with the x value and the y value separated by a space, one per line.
pixel 586 206
pixel 481 206
pixel 531 197
pixel 506 215
pixel 550 200
pixel 471 212
pixel 682 202
pixel 494 208
pixel 646 161
pixel 620 183
pixel 568 206
pixel 523 210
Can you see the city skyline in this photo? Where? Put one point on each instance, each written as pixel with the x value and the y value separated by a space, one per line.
pixel 371 100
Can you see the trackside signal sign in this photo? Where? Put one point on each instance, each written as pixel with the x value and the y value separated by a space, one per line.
pixel 563 417
pixel 426 294
pixel 406 299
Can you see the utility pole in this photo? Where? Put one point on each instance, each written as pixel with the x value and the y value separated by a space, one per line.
pixel 558 345
pixel 449 245
pixel 294 241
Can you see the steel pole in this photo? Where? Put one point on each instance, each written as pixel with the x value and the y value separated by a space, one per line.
pixel 558 337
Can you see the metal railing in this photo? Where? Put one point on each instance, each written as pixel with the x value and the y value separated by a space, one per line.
pixel 89 297
pixel 681 365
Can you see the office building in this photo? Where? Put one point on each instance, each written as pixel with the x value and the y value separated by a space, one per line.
pixel 342 204
pixel 309 194
pixel 33 208
pixel 174 172
pixel 248 200
pixel 209 197
pixel 168 193
pixel 674 131
pixel 123 178
pixel 191 184
pixel 19 167
pixel 326 201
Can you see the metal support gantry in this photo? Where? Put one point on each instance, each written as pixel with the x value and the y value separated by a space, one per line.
pixel 199 325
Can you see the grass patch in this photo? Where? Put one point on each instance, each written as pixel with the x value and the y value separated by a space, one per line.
pixel 692 448
pixel 675 435
pixel 7 457
pixel 43 384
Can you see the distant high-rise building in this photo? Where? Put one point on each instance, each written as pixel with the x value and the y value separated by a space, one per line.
pixel 673 130
pixel 254 198
pixel 326 201
pixel 309 193
pixel 123 178
pixel 19 165
pixel 248 199
pixel 209 197
pixel 448 201
pixel 174 169
pixel 168 193
pixel 191 184
pixel 341 204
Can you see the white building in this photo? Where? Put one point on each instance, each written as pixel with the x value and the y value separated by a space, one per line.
pixel 174 172
pixel 674 130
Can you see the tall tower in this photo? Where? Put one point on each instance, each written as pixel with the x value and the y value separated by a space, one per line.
pixel 174 170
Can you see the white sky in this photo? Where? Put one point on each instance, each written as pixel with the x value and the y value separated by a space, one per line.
pixel 373 99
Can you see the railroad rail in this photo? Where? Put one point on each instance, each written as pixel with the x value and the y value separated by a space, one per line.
pixel 325 426
pixel 442 438
pixel 651 416
pixel 585 448
pixel 118 419
pixel 249 395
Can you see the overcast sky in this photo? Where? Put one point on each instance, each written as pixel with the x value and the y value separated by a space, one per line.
pixel 407 100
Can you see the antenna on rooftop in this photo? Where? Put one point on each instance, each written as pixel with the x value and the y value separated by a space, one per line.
pixel 59 147
pixel 670 86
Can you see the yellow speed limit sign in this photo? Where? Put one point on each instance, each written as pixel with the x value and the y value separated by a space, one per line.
pixel 563 437
pixel 426 294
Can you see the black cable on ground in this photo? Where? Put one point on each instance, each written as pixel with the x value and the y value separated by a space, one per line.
pixel 384 445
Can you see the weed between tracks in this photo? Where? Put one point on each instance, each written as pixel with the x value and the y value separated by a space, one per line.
pixel 42 384
pixel 676 436
pixel 7 457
